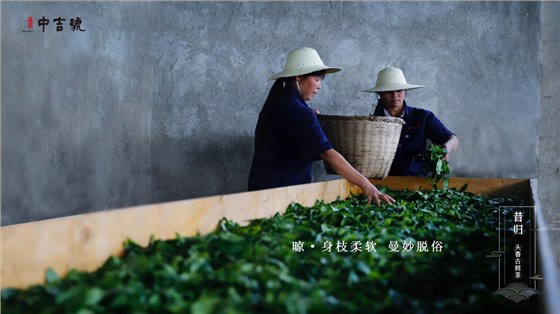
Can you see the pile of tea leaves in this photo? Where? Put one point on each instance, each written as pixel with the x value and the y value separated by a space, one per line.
pixel 426 253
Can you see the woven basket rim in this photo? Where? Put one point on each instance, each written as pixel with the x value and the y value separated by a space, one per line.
pixel 368 143
pixel 362 118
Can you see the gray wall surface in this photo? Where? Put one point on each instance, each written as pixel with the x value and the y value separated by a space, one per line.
pixel 549 133
pixel 157 101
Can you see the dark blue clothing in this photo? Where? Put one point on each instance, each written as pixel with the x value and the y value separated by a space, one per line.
pixel 420 126
pixel 288 138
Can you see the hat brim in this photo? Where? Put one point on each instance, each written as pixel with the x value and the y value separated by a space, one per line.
pixel 303 71
pixel 392 87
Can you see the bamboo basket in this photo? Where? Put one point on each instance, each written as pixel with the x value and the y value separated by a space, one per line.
pixel 368 143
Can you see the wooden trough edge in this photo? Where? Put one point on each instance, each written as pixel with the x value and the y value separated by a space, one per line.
pixel 85 241
pixel 549 269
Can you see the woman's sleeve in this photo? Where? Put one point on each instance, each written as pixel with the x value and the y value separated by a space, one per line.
pixel 436 131
pixel 307 136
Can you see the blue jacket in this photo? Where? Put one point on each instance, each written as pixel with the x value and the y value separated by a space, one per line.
pixel 421 125
pixel 288 138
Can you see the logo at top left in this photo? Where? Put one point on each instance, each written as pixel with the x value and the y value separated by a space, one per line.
pixel 74 23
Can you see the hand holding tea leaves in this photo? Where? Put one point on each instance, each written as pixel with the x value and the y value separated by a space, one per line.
pixel 436 165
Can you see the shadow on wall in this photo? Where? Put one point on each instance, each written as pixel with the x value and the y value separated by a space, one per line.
pixel 320 173
pixel 201 166
pixel 87 179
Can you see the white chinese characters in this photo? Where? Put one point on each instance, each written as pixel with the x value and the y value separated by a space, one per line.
pixel 355 247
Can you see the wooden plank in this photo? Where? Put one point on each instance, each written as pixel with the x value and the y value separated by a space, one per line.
pixel 85 241
pixel 491 186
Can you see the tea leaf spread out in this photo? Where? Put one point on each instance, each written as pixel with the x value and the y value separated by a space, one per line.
pixel 426 253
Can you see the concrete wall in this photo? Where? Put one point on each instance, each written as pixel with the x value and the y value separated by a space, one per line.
pixel 157 101
pixel 549 133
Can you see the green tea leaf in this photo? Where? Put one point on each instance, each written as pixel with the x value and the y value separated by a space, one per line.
pixel 51 276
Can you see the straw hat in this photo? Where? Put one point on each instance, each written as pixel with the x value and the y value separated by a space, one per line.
pixel 303 61
pixel 391 79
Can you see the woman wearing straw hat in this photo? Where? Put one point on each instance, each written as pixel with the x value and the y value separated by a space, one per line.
pixel 421 124
pixel 288 136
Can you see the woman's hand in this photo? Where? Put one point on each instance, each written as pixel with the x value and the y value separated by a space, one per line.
pixel 372 193
pixel 450 146
pixel 343 168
